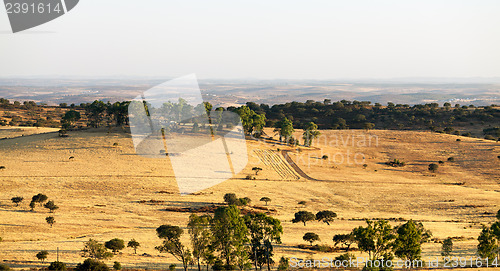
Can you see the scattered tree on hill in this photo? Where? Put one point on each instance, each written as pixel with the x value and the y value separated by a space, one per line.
pixel 264 231
pixel 115 245
pixel 498 214
pixel 407 245
pixel 172 244
pixel 69 118
pixel 17 200
pixel 376 239
pixel 345 239
pixel 57 266
pixel 311 132
pixel 311 237
pixel 488 246
pixel 51 206
pixel 447 247
pixel 326 216
pixel 91 265
pixel 133 244
pixel 32 206
pixel 303 216
pixel 39 198
pixel 42 255
pixel 433 167
pixel 265 199
pixel 230 198
pixel 284 128
pixel 230 236
pixel 95 250
pixel 199 232
pixel 256 169
pixel 50 220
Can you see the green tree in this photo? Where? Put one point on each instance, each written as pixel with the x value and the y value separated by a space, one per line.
pixel 51 206
pixel 230 236
pixel 95 113
pixel 326 216
pixel 230 198
pixel 70 118
pixel 133 244
pixel 17 200
pixel 265 199
pixel 376 239
pixel 42 255
pixel 57 266
pixel 303 216
pixel 488 244
pixel 115 245
pixel 172 243
pixel 283 264
pixel 345 239
pixel 199 232
pixel 117 266
pixel 284 128
pixel 310 133
pixel 498 214
pixel 95 250
pixel 447 247
pixel 91 265
pixel 407 245
pixel 310 237
pixel 50 220
pixel 264 231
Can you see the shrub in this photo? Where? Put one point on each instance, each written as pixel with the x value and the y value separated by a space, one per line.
pixel 91 265
pixel 302 202
pixel 115 144
pixel 243 201
pixel 451 159
pixel 441 162
pixel 2 167
pixel 489 137
pixel 324 157
pixel 57 266
pixel 283 264
pixel 117 266
pixel 433 167
pixel 365 166
pixel 250 177
pixel 395 163
pixel 4 267
pixel 172 267
pixel 230 198
pixel 458 139
pixel 345 257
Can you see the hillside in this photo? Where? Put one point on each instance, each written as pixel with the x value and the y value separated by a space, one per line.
pixel 106 191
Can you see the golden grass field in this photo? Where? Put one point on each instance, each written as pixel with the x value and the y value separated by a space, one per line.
pixel 99 191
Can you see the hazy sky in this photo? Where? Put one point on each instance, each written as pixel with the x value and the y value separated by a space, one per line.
pixel 261 39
